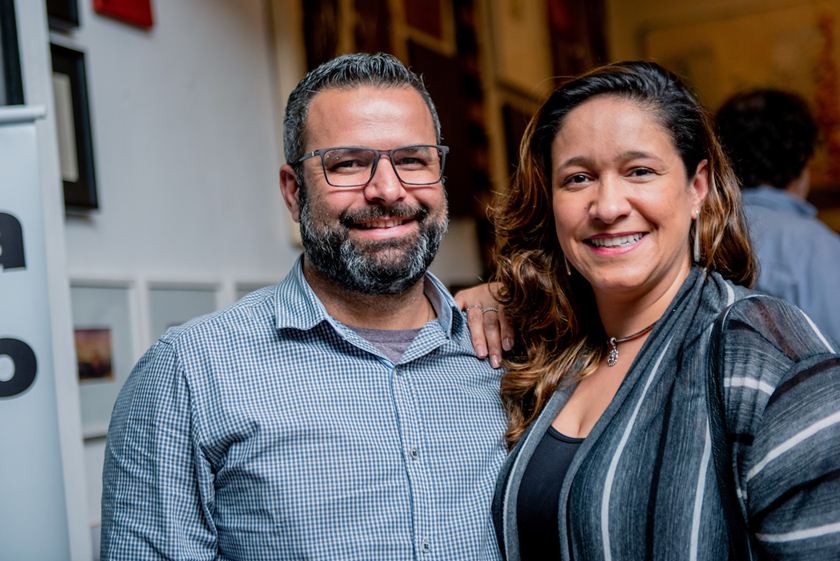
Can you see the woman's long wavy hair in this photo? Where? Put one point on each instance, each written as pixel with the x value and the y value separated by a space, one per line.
pixel 560 329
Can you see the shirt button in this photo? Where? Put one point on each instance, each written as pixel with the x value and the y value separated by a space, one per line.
pixel 425 546
pixel 414 454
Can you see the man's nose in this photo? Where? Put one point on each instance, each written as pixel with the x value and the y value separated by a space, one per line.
pixel 385 186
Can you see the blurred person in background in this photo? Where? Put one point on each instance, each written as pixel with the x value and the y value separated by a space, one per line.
pixel 770 136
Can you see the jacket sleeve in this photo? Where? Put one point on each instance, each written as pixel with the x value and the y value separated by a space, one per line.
pixel 156 486
pixel 782 391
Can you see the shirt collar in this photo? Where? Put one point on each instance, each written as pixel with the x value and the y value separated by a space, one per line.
pixel 777 199
pixel 298 307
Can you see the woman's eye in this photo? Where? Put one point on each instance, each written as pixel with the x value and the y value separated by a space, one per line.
pixel 575 179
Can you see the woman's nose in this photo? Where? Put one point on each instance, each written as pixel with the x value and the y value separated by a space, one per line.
pixel 610 202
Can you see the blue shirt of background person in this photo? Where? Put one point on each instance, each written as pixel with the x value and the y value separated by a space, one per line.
pixel 770 136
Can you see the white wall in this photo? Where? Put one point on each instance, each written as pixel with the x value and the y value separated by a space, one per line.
pixel 185 146
pixel 186 149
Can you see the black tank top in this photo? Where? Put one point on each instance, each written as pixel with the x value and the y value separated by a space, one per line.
pixel 539 496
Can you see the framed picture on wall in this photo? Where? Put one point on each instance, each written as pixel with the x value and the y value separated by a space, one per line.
pixel 75 137
pixel 728 52
pixel 172 304
pixel 133 12
pixel 63 14
pixel 103 333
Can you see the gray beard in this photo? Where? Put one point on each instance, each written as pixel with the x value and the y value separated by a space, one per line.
pixel 383 267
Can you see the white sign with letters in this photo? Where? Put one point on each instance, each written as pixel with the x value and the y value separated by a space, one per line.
pixel 33 519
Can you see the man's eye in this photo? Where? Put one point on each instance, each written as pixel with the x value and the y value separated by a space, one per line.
pixel 411 161
pixel 640 172
pixel 348 164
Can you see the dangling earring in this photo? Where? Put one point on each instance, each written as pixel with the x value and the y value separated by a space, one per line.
pixel 568 269
pixel 697 237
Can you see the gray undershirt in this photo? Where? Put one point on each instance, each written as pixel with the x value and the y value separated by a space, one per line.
pixel 392 342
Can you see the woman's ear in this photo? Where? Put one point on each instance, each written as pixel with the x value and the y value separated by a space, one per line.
pixel 699 184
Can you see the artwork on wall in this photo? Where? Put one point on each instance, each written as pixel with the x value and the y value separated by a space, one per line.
pixel 94 353
pixel 578 41
pixel 73 126
pixel 63 14
pixel 791 47
pixel 103 326
pixel 431 23
pixel 133 12
pixel 515 118
pixel 11 88
pixel 520 33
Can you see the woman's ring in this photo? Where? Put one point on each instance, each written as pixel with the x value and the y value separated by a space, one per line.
pixel 471 306
pixel 489 309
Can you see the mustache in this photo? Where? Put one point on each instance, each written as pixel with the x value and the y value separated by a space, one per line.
pixel 402 211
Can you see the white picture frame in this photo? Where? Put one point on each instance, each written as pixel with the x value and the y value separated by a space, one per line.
pixel 106 306
pixel 174 303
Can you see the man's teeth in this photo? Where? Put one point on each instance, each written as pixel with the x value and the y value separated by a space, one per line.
pixel 618 241
pixel 382 224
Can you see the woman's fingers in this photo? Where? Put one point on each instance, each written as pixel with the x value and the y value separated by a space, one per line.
pixel 490 331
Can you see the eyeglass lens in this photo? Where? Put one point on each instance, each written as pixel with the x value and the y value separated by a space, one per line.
pixel 414 165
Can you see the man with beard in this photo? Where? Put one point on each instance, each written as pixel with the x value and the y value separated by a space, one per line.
pixel 341 414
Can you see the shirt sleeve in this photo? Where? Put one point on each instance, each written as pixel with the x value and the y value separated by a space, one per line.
pixel 783 401
pixel 157 488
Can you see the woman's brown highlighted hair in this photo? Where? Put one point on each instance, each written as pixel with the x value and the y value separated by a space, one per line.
pixel 559 327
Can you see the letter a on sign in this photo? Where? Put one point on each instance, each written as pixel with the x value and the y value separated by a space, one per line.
pixel 11 243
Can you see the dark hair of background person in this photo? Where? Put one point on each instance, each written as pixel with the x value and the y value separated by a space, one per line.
pixel 344 72
pixel 564 337
pixel 769 136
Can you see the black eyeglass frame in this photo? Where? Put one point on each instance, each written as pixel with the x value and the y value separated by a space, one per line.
pixel 442 150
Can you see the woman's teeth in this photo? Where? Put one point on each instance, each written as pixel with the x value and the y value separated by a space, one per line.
pixel 618 241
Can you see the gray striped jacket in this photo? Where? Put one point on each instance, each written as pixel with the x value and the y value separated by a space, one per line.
pixel 643 485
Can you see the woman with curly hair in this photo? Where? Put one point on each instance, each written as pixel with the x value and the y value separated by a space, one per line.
pixel 641 427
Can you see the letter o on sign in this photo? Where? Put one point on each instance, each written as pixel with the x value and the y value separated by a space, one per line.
pixel 24 367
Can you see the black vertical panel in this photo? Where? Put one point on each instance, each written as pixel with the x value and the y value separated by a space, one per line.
pixel 320 31
pixel 12 78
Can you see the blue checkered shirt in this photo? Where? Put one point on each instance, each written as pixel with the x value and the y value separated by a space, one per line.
pixel 271 431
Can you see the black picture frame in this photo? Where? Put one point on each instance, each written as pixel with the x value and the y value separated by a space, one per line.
pixel 12 93
pixel 80 187
pixel 63 15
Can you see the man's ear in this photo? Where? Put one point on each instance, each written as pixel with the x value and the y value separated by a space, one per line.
pixel 291 191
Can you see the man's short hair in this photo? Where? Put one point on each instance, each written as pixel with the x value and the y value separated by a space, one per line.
pixel 769 135
pixel 344 72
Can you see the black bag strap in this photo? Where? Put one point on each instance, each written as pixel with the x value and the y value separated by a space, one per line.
pixel 740 538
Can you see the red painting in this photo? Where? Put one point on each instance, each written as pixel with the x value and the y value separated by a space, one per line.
pixel 135 12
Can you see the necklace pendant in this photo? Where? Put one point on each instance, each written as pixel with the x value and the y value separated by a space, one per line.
pixel 612 357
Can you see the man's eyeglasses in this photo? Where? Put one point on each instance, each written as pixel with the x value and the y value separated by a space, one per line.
pixel 354 166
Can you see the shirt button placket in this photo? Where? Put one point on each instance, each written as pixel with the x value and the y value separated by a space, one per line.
pixel 411 435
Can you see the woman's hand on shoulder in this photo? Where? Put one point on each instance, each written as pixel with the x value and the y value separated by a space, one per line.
pixel 490 330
